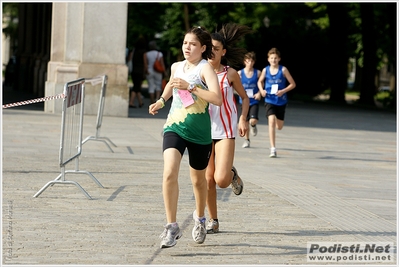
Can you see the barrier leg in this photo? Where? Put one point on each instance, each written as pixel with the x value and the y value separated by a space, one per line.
pixel 98 139
pixel 88 173
pixel 109 140
pixel 63 182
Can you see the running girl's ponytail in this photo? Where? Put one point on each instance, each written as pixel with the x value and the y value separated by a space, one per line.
pixel 229 35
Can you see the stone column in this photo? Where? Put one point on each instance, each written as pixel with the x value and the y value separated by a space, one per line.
pixel 87 40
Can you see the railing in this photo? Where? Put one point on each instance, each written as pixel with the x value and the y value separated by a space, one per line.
pixel 100 112
pixel 71 134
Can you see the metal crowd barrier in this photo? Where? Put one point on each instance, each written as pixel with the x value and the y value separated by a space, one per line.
pixel 100 112
pixel 71 134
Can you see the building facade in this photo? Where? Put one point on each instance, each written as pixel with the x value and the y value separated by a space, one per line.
pixel 63 41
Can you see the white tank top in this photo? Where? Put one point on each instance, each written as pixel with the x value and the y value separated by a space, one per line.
pixel 224 118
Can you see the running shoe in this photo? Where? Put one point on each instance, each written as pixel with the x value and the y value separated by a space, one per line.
pixel 246 144
pixel 237 184
pixel 273 154
pixel 253 130
pixel 169 235
pixel 212 227
pixel 199 230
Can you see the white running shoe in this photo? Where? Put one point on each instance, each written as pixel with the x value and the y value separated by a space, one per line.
pixel 199 230
pixel 246 144
pixel 237 184
pixel 169 236
pixel 253 130
pixel 212 227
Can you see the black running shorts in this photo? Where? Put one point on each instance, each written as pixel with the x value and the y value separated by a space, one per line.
pixel 279 111
pixel 198 154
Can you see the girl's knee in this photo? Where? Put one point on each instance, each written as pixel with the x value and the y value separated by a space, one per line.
pixel 169 181
pixel 225 180
pixel 199 183
pixel 210 181
pixel 279 125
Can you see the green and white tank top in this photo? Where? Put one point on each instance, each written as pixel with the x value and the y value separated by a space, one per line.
pixel 192 123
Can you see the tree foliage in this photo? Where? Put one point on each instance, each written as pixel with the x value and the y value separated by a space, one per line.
pixel 10 21
pixel 316 40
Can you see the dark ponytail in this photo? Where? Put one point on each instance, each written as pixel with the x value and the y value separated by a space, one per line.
pixel 229 35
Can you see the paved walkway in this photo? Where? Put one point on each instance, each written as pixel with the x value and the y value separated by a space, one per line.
pixel 334 181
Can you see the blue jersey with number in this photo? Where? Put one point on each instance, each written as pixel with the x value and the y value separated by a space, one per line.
pixel 250 84
pixel 278 79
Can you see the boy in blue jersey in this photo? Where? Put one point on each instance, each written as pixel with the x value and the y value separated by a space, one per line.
pixel 249 79
pixel 273 87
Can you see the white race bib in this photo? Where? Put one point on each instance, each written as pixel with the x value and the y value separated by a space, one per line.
pixel 274 89
pixel 250 93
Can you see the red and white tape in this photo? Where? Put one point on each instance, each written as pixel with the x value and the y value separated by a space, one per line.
pixel 32 101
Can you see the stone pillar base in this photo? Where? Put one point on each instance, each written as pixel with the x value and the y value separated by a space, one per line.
pixel 117 94
pixel 89 40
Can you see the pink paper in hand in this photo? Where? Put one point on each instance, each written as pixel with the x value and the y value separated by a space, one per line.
pixel 186 98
